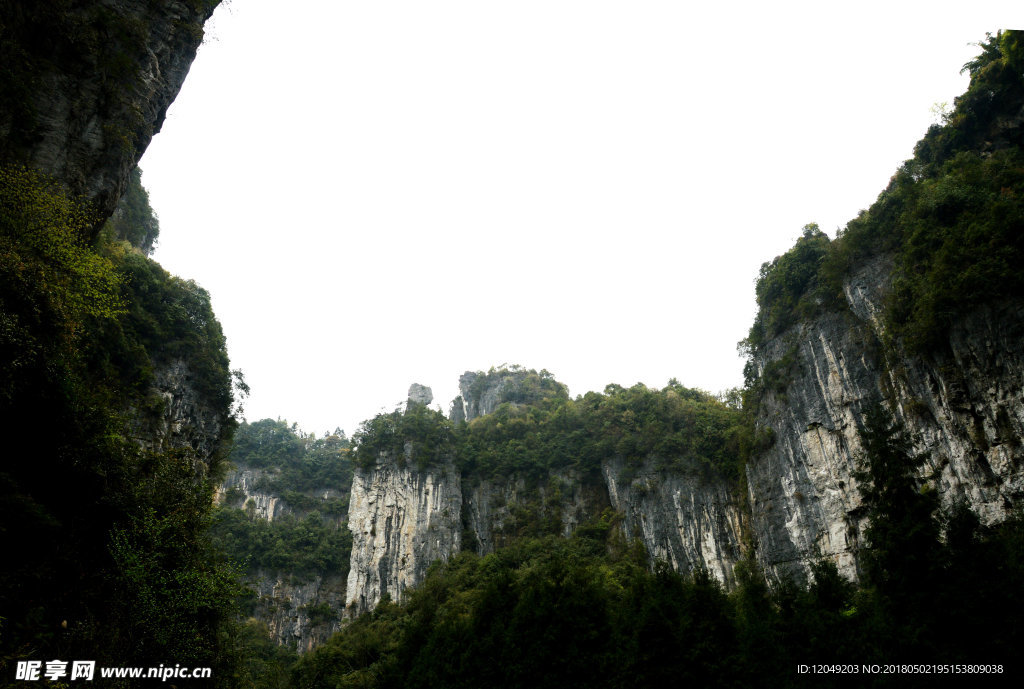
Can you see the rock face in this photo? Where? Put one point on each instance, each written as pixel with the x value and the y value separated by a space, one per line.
pixel 245 483
pixel 300 610
pixel 689 519
pixel 402 520
pixel 419 394
pixel 963 407
pixel 481 393
pixel 495 511
pixel 86 85
pixel 300 613
pixel 184 418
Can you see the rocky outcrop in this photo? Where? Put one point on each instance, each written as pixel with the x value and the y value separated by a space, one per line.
pixel 690 518
pixel 474 400
pixel 244 484
pixel 85 86
pixel 964 408
pixel 481 393
pixel 178 416
pixel 299 613
pixel 402 520
pixel 419 395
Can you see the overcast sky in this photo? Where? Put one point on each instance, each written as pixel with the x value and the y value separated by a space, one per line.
pixel 383 192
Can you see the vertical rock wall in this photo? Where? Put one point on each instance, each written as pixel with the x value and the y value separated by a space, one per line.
pixel 86 85
pixel 289 606
pixel 690 519
pixel 402 520
pixel 497 510
pixel 964 408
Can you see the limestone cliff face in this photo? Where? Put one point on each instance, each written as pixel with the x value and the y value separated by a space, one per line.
pixel 300 610
pixel 964 408
pixel 87 84
pixel 690 519
pixel 303 614
pixel 247 482
pixel 402 519
pixel 184 418
pixel 497 510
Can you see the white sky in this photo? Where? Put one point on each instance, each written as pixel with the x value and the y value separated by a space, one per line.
pixel 388 191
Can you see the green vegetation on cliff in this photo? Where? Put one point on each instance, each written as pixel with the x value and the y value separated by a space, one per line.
pixel 299 469
pixel 301 547
pixel 588 611
pixel 517 385
pixel 105 536
pixel 295 462
pixel 133 220
pixel 673 426
pixel 951 218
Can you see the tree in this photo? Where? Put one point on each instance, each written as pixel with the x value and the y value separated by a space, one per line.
pixel 903 560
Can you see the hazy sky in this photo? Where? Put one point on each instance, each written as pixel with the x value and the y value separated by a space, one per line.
pixel 389 191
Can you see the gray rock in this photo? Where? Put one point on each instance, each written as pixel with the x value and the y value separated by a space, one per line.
pixel 481 393
pixel 457 413
pixel 964 408
pixel 690 518
pixel 179 416
pixel 91 111
pixel 283 603
pixel 419 395
pixel 402 520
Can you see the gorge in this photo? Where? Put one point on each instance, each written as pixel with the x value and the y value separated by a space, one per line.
pixel 594 536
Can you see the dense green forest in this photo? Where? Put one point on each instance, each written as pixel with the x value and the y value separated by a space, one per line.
pixel 106 538
pixel 299 468
pixel 553 432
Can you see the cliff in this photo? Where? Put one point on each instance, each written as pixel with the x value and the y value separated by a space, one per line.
pixel 86 85
pixel 299 613
pixel 529 462
pixel 917 306
pixel 689 519
pixel 963 405
pixel 281 516
pixel 402 519
pixel 297 592
pixel 117 371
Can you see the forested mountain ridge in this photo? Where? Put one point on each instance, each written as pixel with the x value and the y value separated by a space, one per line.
pixel 917 304
pixel 531 462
